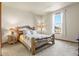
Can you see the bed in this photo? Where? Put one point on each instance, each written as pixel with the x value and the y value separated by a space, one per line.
pixel 33 40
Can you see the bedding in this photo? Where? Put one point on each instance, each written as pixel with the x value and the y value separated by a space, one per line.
pixel 37 36
pixel 28 37
pixel 25 41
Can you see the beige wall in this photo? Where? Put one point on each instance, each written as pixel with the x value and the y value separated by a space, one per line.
pixel 48 21
pixel 70 23
pixel 12 17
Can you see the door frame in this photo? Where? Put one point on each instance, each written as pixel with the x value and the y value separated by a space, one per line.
pixel 0 27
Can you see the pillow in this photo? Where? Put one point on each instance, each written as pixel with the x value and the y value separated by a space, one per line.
pixel 25 30
pixel 34 32
pixel 29 32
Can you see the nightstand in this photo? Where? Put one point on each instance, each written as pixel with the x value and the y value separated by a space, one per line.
pixel 12 36
pixel 11 39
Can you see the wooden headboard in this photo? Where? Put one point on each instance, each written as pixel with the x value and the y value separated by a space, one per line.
pixel 26 26
pixel 19 31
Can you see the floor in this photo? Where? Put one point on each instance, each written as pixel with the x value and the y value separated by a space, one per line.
pixel 60 48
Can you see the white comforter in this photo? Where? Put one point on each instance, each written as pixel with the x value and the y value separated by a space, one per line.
pixel 37 36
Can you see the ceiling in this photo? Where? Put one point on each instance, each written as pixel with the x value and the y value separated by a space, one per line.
pixel 37 7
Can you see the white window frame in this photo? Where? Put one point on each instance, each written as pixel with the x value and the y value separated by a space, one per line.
pixel 53 25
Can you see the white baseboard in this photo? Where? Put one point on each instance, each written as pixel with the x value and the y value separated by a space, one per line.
pixel 67 40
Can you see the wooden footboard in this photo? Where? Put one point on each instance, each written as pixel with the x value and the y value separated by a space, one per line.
pixel 53 38
pixel 33 43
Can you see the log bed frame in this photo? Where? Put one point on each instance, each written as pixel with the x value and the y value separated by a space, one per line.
pixel 33 42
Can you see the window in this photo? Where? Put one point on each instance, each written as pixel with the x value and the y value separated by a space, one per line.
pixel 57 22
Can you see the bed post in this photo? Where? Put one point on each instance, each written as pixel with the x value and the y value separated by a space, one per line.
pixel 33 46
pixel 53 38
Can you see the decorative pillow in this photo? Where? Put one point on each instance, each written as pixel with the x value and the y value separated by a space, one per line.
pixel 29 32
pixel 34 32
pixel 25 30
